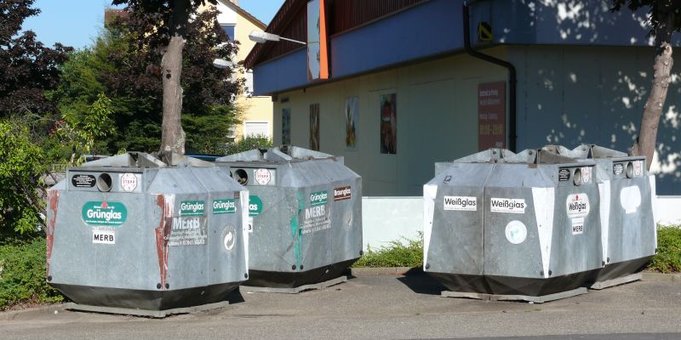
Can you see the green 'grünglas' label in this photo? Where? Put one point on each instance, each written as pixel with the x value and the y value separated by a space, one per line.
pixel 318 198
pixel 104 213
pixel 192 208
pixel 254 205
pixel 224 206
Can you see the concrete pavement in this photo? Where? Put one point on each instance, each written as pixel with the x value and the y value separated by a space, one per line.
pixel 382 303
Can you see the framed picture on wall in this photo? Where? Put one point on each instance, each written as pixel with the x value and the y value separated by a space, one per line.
pixel 286 126
pixel 491 115
pixel 314 126
pixel 388 115
pixel 351 119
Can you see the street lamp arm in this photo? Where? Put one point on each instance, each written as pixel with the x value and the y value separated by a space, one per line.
pixel 293 40
pixel 262 37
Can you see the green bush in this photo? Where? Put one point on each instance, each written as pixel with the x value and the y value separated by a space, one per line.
pixel 22 275
pixel 397 254
pixel 668 257
pixel 21 166
pixel 248 143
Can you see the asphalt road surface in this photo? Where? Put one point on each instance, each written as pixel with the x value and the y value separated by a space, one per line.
pixel 382 304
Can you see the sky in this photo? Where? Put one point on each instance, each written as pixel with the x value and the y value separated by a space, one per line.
pixel 77 23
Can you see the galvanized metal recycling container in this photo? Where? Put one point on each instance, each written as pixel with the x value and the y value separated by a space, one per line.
pixel 306 214
pixel 512 224
pixel 627 192
pixel 130 231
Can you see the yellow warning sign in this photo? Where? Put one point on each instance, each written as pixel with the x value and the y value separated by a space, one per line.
pixel 484 32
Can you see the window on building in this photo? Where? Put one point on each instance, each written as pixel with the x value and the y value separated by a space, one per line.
pixel 229 29
pixel 256 129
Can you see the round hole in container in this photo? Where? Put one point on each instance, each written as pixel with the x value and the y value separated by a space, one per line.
pixel 104 182
pixel 630 170
pixel 241 176
pixel 577 177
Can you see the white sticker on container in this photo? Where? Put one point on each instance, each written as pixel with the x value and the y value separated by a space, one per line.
pixel 100 236
pixel 508 205
pixel 128 182
pixel 630 199
pixel 577 205
pixel 263 176
pixel 250 224
pixel 586 175
pixel 461 203
pixel 230 238
pixel 578 226
pixel 638 168
pixel 516 232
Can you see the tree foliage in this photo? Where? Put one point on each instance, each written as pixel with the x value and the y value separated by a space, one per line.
pixel 168 29
pixel 21 167
pixel 664 16
pixel 29 71
pixel 28 68
pixel 125 66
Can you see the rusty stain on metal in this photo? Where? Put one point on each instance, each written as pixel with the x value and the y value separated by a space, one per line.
pixel 53 199
pixel 162 236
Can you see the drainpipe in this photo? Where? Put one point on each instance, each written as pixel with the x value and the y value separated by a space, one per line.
pixel 512 125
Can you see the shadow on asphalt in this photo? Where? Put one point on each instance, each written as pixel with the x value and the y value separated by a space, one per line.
pixel 235 296
pixel 421 283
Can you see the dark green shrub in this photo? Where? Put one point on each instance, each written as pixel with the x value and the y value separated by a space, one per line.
pixel 22 275
pixel 668 257
pixel 248 143
pixel 397 254
pixel 21 166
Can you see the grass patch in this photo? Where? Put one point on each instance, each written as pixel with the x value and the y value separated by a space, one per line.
pixel 406 253
pixel 668 257
pixel 22 275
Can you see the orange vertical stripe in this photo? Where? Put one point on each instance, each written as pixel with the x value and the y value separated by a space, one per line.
pixel 323 46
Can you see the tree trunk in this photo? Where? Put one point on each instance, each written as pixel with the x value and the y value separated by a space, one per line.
pixel 172 135
pixel 650 121
pixel 645 146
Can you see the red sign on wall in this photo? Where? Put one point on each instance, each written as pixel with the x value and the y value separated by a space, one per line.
pixel 491 115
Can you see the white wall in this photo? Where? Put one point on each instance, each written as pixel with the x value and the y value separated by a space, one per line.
pixel 391 219
pixel 400 219
pixel 666 210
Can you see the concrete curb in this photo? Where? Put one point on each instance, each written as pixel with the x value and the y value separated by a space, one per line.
pixel 399 271
pixel 369 271
pixel 654 276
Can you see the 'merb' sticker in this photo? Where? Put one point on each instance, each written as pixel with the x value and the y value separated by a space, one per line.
pixel 103 236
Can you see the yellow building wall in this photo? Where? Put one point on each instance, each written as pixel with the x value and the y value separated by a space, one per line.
pixel 257 109
pixel 254 108
pixel 437 119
